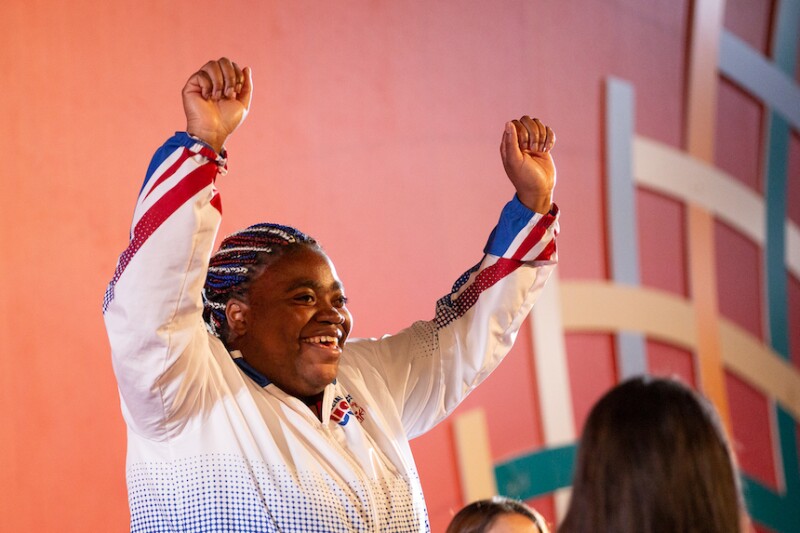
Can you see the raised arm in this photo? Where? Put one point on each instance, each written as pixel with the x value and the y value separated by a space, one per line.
pixel 216 100
pixel 525 151
pixel 153 304
pixel 430 367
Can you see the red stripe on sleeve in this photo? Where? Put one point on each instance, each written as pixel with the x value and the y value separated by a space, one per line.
pixel 162 209
pixel 216 201
pixel 548 252
pixel 485 279
pixel 534 236
pixel 185 154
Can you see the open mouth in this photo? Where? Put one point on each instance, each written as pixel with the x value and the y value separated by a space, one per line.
pixel 322 340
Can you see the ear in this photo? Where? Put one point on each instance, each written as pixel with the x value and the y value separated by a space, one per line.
pixel 236 311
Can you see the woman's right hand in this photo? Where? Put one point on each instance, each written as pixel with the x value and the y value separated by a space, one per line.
pixel 216 100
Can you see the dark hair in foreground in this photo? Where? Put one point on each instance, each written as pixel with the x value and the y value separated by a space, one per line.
pixel 478 516
pixel 241 258
pixel 654 458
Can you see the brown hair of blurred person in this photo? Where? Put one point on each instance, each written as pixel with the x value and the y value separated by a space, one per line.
pixel 654 458
pixel 497 515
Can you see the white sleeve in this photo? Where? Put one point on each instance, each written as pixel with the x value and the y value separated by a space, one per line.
pixel 153 304
pixel 430 367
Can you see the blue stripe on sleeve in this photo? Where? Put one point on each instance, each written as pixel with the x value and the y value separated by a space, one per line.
pixel 180 139
pixel 513 219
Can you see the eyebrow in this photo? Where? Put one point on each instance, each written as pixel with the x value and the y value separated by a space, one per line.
pixel 313 285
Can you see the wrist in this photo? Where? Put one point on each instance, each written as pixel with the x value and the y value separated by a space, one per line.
pixel 538 203
pixel 213 140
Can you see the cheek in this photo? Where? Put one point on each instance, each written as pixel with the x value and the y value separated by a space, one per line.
pixel 282 326
pixel 348 322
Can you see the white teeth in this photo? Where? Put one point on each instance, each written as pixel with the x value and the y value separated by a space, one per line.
pixel 322 339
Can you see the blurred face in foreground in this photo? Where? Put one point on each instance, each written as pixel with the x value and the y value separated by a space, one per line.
pixel 513 523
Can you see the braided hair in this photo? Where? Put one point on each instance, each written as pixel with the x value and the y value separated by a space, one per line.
pixel 241 258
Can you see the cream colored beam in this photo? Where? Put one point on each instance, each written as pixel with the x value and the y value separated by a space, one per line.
pixel 474 456
pixel 552 372
pixel 762 368
pixel 681 176
pixel 552 377
pixel 676 174
pixel 605 307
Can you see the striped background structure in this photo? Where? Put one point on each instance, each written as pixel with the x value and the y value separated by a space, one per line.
pixel 693 323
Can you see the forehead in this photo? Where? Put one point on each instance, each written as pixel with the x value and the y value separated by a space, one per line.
pixel 304 266
pixel 513 523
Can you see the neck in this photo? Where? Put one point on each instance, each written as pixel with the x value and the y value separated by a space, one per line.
pixel 314 403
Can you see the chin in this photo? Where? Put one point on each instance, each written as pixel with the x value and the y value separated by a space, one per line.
pixel 326 376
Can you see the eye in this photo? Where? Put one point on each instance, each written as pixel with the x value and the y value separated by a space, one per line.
pixel 304 298
pixel 340 301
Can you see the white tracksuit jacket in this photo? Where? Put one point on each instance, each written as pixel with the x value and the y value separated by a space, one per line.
pixel 211 449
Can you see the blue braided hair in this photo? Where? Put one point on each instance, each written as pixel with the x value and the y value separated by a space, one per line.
pixel 240 259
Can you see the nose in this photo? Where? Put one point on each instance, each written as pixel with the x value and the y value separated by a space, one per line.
pixel 330 314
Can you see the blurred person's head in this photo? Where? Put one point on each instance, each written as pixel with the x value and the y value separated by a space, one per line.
pixel 497 515
pixel 654 457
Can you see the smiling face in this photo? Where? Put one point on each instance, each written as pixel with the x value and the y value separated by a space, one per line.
pixel 294 322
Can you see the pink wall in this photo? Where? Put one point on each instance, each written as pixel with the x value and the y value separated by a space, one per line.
pixel 374 127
